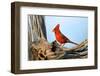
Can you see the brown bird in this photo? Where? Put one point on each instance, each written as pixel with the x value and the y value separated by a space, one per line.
pixel 61 38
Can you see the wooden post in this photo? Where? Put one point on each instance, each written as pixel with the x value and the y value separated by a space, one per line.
pixel 36 30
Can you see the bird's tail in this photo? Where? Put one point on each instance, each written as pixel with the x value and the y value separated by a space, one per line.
pixel 73 42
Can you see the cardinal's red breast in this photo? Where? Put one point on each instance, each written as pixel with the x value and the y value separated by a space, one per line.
pixel 59 36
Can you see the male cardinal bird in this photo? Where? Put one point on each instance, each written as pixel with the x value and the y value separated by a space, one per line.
pixel 61 38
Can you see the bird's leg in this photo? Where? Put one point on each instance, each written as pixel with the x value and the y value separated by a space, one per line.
pixel 58 42
pixel 62 45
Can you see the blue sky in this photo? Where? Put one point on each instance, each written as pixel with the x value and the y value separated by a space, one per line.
pixel 75 28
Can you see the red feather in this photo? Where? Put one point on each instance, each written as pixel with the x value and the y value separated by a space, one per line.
pixel 61 38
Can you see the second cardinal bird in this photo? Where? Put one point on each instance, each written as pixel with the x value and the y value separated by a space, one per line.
pixel 61 38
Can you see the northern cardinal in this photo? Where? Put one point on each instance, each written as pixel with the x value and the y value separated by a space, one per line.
pixel 61 38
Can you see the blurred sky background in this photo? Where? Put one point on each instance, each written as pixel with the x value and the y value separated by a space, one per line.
pixel 75 28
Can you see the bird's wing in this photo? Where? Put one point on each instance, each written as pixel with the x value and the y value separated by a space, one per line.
pixel 65 38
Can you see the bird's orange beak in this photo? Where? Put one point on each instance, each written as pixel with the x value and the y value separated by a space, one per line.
pixel 53 30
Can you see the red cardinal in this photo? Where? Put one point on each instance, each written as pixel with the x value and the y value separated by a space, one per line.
pixel 61 38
